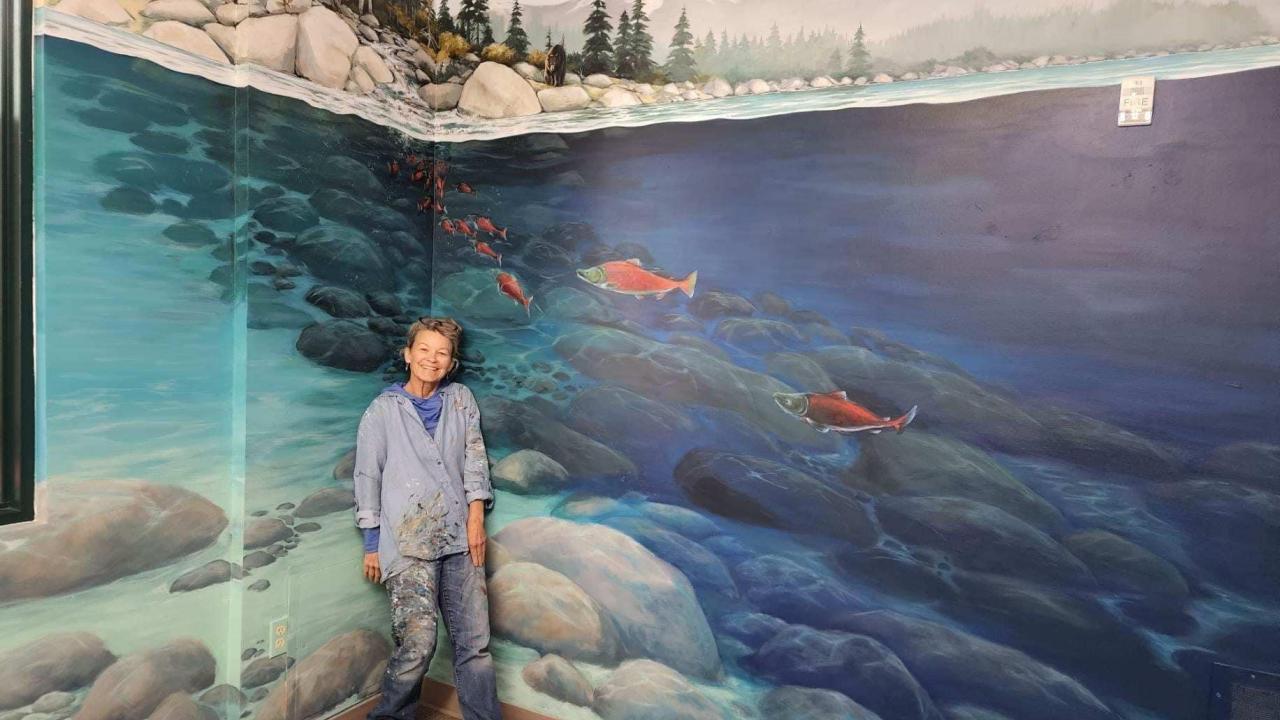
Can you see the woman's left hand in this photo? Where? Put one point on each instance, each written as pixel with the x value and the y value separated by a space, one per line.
pixel 475 532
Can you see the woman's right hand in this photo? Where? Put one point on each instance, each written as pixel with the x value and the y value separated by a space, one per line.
pixel 372 570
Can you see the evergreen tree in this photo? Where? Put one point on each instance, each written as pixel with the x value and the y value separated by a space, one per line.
pixel 641 48
pixel 709 43
pixel 548 47
pixel 836 61
pixel 680 62
pixel 859 58
pixel 488 38
pixel 775 38
pixel 473 21
pixel 516 38
pixel 597 52
pixel 444 20
pixel 625 65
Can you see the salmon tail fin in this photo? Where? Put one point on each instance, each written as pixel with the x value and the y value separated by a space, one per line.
pixel 527 303
pixel 499 259
pixel 687 284
pixel 503 234
pixel 901 423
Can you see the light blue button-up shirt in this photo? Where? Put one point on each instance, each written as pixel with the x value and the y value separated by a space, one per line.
pixel 416 487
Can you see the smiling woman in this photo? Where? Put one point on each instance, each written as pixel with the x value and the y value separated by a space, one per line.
pixel 17 437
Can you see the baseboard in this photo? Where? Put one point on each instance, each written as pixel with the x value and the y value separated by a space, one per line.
pixel 439 702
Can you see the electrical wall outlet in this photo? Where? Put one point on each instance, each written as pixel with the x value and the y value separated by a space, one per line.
pixel 278 637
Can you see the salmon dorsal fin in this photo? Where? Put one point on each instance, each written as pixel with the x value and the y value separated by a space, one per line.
pixel 633 261
pixel 837 394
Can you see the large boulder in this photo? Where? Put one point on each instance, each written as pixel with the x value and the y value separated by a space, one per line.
pixel 794 591
pixel 96 532
pixel 553 675
pixel 718 88
pixel 368 59
pixel 633 423
pixel 135 685
pixel 185 37
pixel 1122 566
pixel 347 665
pixel 325 46
pixel 758 335
pixel 919 463
pixel 1255 463
pixel 651 603
pixel 181 706
pixel 325 501
pixel 522 425
pixel 981 538
pixel 958 667
pixel 568 97
pixel 855 665
pixel 762 492
pixel 269 41
pixel 539 608
pixel 191 12
pixel 286 214
pixel 646 690
pixel 345 256
pixel 344 345
pixel 706 571
pixel 529 472
pixel 616 97
pixel 441 96
pixel 496 91
pixel 107 12
pixel 58 662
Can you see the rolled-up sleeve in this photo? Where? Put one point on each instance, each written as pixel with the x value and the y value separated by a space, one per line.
pixel 475 466
pixel 371 456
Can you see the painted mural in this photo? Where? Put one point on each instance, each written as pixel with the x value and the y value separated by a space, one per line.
pixel 950 411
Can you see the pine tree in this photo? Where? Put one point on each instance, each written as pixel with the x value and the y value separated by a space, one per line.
pixel 836 61
pixel 641 48
pixel 444 21
pixel 597 52
pixel 488 38
pixel 548 47
pixel 516 38
pixel 710 43
pixel 859 58
pixel 680 62
pixel 473 21
pixel 625 64
pixel 775 38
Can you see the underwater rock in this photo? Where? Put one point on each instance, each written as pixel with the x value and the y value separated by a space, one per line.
pixel 519 424
pixel 259 585
pixel 713 304
pixel 697 342
pixel 855 665
pixel 1255 463
pixel 272 315
pixel 702 567
pixel 91 535
pixel 773 304
pixel 264 531
pixel 343 255
pixel 347 665
pixel 286 214
pixel 969 712
pixel 211 573
pixel 338 302
pixel 473 293
pixel 553 675
pixel 223 695
pixel 1122 566
pixel 802 703
pixel 344 470
pixel 180 706
pixel 384 303
pixel 326 501
pixel 160 142
pixel 1089 442
pixel 897 573
pixel 981 538
pixel 57 662
pixel 646 690
pixel 958 667
pixel 762 492
pixel 343 344
pixel 795 592
pixel 540 608
pixel 135 685
pixel 920 464
pixel 800 372
pixel 757 335
pixel 651 603
pixel 627 421
pixel 307 527
pixel 129 200
pixel 342 206
pixel 752 628
pixel 529 472
pixel 257 559
pixel 568 303
pixel 264 670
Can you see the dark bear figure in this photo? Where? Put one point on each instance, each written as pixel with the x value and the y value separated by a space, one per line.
pixel 553 67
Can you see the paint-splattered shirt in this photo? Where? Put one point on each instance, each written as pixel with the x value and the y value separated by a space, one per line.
pixel 416 487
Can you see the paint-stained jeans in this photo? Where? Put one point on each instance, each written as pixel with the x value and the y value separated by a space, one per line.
pixel 459 586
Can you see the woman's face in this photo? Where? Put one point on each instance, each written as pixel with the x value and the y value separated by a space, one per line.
pixel 430 358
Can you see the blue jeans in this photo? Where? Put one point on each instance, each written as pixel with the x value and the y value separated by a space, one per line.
pixel 459 587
